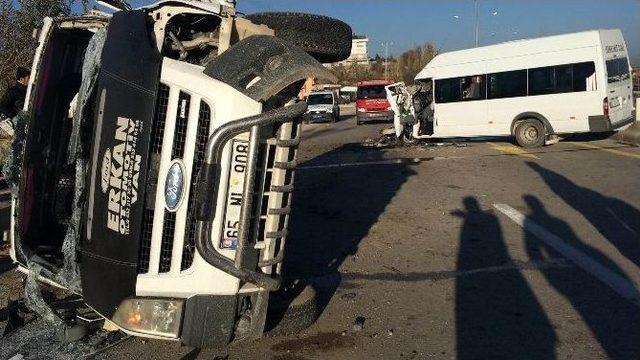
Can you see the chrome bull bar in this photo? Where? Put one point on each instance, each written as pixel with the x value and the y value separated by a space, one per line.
pixel 207 193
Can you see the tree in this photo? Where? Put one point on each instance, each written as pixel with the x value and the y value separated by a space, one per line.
pixel 404 68
pixel 18 20
pixel 412 61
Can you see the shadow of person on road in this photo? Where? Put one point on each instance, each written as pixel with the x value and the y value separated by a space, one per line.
pixel 497 314
pixel 616 220
pixel 612 319
pixel 332 211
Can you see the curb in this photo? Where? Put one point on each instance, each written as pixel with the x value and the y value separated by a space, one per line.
pixel 630 135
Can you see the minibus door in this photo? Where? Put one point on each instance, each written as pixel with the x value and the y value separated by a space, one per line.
pixel 619 90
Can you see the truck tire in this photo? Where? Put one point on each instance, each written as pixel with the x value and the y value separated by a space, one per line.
pixel 288 315
pixel 328 40
pixel 530 133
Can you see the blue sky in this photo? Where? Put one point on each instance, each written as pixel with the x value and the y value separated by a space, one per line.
pixel 407 23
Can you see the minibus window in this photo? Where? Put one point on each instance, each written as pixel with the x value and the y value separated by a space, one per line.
pixel 448 90
pixel 507 84
pixel 541 81
pixel 584 76
pixel 473 87
pixel 617 70
pixel 564 78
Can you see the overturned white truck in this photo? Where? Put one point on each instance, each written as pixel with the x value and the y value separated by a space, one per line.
pixel 154 162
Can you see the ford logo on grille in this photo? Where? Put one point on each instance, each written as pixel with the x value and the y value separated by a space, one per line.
pixel 174 185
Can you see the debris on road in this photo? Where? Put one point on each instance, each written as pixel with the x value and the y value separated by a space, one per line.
pixel 358 325
pixel 348 296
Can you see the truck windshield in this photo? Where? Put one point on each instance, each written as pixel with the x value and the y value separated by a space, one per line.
pixel 320 99
pixel 372 92
pixel 617 70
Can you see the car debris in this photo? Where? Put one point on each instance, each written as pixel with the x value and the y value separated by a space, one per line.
pixel 153 168
pixel 411 108
pixel 358 324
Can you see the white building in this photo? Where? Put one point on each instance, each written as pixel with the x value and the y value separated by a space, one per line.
pixel 359 53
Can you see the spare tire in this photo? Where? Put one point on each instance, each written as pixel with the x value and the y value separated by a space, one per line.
pixel 326 39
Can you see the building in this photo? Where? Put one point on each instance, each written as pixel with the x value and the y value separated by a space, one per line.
pixel 359 53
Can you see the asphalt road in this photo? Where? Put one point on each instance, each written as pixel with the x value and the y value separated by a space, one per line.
pixel 468 250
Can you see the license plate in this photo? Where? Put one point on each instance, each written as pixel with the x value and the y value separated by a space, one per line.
pixel 239 158
pixel 615 102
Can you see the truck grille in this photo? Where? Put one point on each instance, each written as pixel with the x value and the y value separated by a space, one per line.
pixel 168 238
pixel 145 246
pixel 157 133
pixel 157 136
pixel 179 129
pixel 204 123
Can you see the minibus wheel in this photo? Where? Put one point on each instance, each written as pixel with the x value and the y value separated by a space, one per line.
pixel 530 133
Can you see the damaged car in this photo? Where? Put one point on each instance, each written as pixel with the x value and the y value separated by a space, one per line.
pixel 154 162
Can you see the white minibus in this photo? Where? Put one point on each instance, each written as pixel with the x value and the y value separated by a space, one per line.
pixel 530 89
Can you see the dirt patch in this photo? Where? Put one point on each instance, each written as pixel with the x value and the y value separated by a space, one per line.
pixel 322 342
pixel 289 357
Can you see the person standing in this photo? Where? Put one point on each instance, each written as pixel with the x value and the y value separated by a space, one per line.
pixel 13 99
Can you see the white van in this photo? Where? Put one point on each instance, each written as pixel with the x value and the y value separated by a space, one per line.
pixel 530 89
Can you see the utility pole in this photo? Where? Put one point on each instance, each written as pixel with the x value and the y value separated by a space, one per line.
pixel 386 59
pixel 477 22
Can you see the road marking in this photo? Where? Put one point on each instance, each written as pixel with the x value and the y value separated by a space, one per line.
pixel 367 163
pixel 512 150
pixel 609 150
pixel 624 224
pixel 619 284
pixel 331 280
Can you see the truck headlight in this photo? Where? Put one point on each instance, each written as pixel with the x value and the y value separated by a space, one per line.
pixel 362 110
pixel 158 317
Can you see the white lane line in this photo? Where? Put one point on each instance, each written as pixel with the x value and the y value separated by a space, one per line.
pixel 363 163
pixel 624 224
pixel 405 161
pixel 622 286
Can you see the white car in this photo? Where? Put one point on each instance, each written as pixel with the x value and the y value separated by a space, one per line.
pixel 322 107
